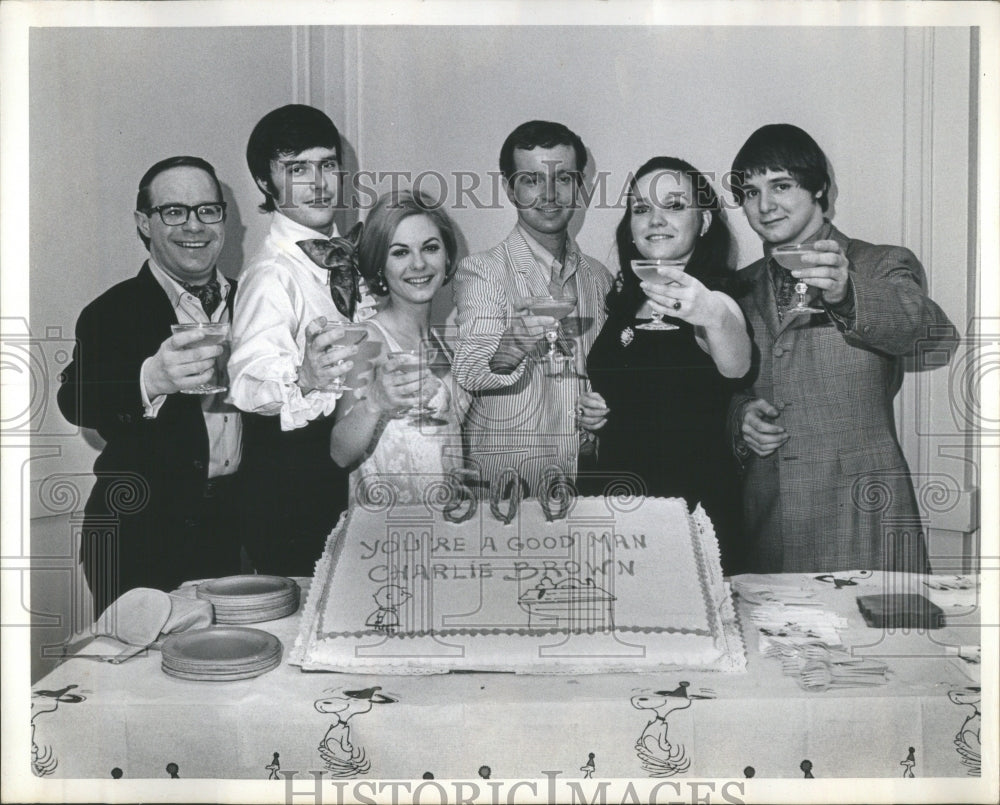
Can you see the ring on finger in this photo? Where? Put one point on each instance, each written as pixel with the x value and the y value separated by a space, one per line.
pixel 677 304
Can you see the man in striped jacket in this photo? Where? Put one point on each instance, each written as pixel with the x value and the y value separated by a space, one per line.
pixel 529 414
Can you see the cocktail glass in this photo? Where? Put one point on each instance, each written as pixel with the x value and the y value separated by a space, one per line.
pixel 421 413
pixel 648 270
pixel 558 307
pixel 789 257
pixel 353 334
pixel 211 333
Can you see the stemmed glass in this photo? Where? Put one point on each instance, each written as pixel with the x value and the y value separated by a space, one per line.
pixel 211 333
pixel 790 257
pixel 353 334
pixel 558 307
pixel 420 413
pixel 648 270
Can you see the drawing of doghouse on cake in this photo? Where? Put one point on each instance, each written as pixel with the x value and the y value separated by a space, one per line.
pixel 571 604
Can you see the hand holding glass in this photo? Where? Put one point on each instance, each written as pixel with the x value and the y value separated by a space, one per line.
pixel 212 333
pixel 790 257
pixel 421 413
pixel 648 270
pixel 352 335
pixel 557 308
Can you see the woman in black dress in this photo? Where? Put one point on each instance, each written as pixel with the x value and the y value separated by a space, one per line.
pixel 668 391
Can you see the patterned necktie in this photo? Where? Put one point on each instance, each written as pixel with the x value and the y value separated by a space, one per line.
pixel 784 286
pixel 338 256
pixel 209 294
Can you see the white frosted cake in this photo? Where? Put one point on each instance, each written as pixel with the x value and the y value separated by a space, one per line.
pixel 606 587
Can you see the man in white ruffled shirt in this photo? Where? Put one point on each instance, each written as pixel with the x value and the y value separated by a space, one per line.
pixel 283 361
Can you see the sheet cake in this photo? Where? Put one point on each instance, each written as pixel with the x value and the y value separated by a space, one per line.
pixel 613 585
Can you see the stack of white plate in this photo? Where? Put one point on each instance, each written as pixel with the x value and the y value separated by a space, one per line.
pixel 220 654
pixel 250 599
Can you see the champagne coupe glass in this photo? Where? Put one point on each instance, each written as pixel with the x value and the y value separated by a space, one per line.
pixel 420 413
pixel 648 270
pixel 790 257
pixel 558 307
pixel 353 334
pixel 211 333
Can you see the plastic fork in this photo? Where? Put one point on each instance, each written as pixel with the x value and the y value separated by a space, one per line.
pixel 820 651
pixel 817 676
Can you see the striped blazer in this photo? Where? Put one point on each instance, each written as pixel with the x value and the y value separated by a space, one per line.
pixel 523 420
pixel 838 494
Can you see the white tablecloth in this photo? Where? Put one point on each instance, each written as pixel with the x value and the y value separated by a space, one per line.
pixel 132 720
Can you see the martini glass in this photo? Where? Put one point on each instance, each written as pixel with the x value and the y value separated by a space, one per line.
pixel 648 270
pixel 420 414
pixel 211 333
pixel 790 257
pixel 353 334
pixel 558 307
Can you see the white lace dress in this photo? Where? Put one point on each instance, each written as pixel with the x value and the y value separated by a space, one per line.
pixel 410 459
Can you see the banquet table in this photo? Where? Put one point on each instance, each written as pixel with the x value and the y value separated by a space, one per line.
pixel 133 720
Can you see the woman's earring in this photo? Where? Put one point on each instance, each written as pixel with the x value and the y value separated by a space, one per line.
pixel 381 287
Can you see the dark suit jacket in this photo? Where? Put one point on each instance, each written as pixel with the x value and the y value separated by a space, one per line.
pixel 151 474
pixel 837 495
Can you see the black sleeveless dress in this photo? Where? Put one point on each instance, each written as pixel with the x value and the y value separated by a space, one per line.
pixel 666 432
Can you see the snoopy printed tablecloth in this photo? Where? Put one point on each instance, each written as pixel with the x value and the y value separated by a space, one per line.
pixel 97 720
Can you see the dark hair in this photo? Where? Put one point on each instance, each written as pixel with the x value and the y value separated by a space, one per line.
pixel 286 131
pixel 783 147
pixel 709 262
pixel 143 202
pixel 389 211
pixel 539 134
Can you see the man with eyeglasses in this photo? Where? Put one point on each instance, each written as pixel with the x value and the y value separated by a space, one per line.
pixel 285 358
pixel 164 506
pixel 826 486
pixel 530 415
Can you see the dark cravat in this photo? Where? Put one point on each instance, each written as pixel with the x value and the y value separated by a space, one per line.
pixel 784 286
pixel 209 294
pixel 338 256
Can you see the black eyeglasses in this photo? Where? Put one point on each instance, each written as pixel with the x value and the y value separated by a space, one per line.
pixel 178 214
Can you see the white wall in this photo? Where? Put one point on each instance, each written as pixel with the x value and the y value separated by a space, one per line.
pixel 444 99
